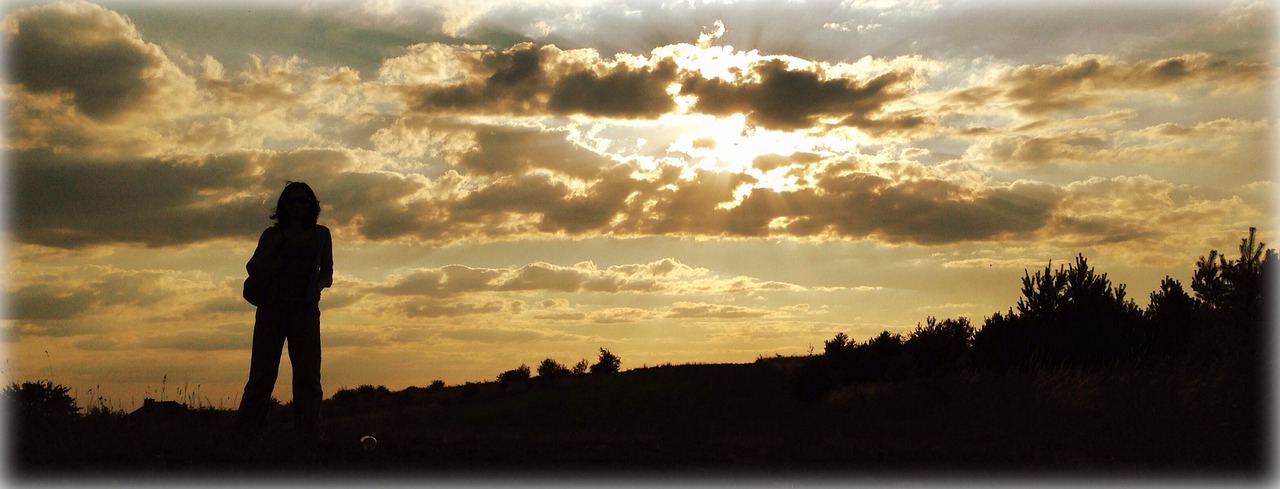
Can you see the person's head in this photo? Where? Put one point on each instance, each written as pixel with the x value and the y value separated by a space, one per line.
pixel 297 203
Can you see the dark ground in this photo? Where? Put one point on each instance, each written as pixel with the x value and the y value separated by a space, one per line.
pixel 1157 424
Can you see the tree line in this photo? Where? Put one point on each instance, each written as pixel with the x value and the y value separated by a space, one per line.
pixel 1075 317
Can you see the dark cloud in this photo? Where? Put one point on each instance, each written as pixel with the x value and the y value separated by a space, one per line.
pixel 864 206
pixel 692 204
pixel 68 202
pixel 43 302
pixel 87 51
pixel 73 202
pixel 936 211
pixel 623 93
pixel 843 202
pixel 530 79
pixel 789 99
pixel 557 207
pixel 516 83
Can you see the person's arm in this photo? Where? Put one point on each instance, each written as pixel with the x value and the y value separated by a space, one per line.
pixel 325 279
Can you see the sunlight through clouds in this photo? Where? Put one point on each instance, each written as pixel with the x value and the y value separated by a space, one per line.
pixel 679 181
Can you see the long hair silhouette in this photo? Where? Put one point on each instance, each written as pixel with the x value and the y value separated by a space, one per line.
pixel 280 215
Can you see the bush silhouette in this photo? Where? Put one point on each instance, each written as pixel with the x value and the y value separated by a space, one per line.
pixel 938 346
pixel 838 345
pixel 514 375
pixel 607 364
pixel 40 403
pixel 880 358
pixel 550 369
pixel 364 392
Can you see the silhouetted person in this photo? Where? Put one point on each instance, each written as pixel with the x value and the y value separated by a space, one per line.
pixel 299 254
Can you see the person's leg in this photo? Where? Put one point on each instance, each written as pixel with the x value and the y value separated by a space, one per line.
pixel 264 366
pixel 304 355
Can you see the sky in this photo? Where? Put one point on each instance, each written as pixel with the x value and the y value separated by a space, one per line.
pixel 677 182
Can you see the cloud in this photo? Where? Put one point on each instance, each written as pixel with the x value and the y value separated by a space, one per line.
pixel 95 55
pixel 474 148
pixel 709 36
pixel 1012 151
pixel 927 211
pixel 515 151
pixel 1106 139
pixel 69 202
pixel 42 302
pixel 665 276
pixel 434 308
pixel 561 316
pixel 1089 81
pixel 503 335
pixel 623 92
pixel 693 310
pixel 64 201
pixel 620 315
pixel 777 96
pixel 90 299
pixel 530 79
pixel 1137 213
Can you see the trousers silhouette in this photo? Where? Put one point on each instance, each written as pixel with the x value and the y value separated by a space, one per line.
pixel 298 324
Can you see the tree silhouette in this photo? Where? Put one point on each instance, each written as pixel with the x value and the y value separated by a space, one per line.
pixel 880 357
pixel 1075 316
pixel 1235 290
pixel 1071 316
pixel 1231 298
pixel 1171 314
pixel 551 369
pixel 514 375
pixel 938 346
pixel 40 403
pixel 607 364
pixel 837 344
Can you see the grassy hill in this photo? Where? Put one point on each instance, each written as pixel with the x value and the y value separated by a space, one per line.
pixel 1154 421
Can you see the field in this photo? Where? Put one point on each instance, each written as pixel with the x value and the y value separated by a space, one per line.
pixel 1159 422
